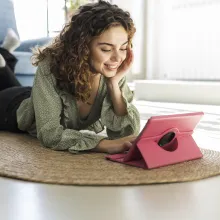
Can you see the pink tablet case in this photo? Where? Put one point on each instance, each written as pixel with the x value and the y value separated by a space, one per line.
pixel 147 154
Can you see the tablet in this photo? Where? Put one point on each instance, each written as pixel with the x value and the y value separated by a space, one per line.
pixel 163 129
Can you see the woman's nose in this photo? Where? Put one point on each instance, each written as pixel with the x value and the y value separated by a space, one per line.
pixel 115 57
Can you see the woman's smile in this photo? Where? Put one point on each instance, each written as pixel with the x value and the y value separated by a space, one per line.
pixel 112 67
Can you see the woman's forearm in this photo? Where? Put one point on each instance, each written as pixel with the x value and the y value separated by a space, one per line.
pixel 119 104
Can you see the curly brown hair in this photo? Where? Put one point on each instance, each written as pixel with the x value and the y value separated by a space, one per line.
pixel 69 51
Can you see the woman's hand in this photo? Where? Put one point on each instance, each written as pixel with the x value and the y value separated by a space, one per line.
pixel 115 146
pixel 114 90
pixel 124 68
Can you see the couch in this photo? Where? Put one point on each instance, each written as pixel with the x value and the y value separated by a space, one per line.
pixel 24 70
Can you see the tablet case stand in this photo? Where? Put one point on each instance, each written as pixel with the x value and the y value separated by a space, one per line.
pixel 147 154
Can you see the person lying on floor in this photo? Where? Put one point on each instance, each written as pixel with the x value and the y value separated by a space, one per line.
pixel 79 86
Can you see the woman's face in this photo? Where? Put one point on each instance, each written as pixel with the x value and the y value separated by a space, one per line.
pixel 108 51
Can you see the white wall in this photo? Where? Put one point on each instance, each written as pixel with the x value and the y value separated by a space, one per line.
pixel 31 17
pixel 183 39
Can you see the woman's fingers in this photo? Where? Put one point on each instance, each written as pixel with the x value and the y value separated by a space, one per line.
pixel 131 138
pixel 126 146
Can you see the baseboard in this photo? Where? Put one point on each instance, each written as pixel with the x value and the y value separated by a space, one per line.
pixel 196 92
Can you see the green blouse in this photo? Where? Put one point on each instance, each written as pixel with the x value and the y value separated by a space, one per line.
pixel 51 115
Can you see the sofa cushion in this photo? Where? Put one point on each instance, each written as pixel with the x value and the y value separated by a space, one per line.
pixel 24 70
pixel 28 44
pixel 24 65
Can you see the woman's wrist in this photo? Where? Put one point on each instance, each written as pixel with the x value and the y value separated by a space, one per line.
pixel 102 146
pixel 111 84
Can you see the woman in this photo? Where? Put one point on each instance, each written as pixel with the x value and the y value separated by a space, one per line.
pixel 80 85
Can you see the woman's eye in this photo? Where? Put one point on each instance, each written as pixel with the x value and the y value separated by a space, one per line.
pixel 105 50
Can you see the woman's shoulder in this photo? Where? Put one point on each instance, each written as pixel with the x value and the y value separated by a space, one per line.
pixel 43 72
pixel 44 69
pixel 44 65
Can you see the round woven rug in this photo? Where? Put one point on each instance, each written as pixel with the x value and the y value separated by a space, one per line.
pixel 23 157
